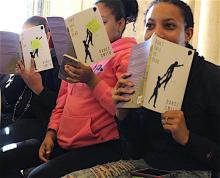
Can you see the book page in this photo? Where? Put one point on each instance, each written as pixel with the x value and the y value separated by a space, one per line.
pixel 70 61
pixel 167 76
pixel 10 52
pixel 89 37
pixel 61 38
pixel 137 67
pixel 35 45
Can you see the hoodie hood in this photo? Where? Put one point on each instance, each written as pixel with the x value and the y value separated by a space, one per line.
pixel 123 43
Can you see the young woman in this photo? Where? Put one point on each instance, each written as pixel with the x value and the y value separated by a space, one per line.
pixel 82 124
pixel 186 139
pixel 29 98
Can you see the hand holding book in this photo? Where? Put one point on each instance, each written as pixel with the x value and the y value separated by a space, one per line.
pixel 74 71
pixel 160 70
pixel 30 44
pixel 32 79
pixel 123 89
pixel 122 93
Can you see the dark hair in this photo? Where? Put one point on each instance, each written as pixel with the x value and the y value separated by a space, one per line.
pixel 38 20
pixel 127 9
pixel 185 9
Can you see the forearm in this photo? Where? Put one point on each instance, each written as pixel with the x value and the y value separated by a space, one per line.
pixel 103 94
pixel 38 88
pixel 13 90
pixel 93 82
pixel 204 150
pixel 47 98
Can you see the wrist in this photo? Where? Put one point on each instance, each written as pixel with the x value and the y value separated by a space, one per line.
pixel 121 113
pixel 93 81
pixel 37 90
pixel 51 133
pixel 186 138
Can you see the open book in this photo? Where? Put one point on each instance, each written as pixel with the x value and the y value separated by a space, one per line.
pixel 67 59
pixel 31 43
pixel 160 71
pixel 82 36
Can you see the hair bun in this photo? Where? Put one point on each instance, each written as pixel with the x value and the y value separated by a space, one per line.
pixel 131 10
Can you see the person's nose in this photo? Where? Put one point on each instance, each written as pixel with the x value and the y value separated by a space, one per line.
pixel 159 32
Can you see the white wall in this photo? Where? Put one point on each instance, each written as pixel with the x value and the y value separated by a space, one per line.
pixel 12 14
pixel 65 8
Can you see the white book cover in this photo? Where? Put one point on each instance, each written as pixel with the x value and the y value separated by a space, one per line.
pixel 89 37
pixel 34 45
pixel 164 75
pixel 31 43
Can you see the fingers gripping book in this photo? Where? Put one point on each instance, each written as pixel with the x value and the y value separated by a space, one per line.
pixel 160 71
pixel 30 44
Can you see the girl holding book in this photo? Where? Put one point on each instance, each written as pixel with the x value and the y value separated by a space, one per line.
pixel 82 131
pixel 186 139
pixel 29 98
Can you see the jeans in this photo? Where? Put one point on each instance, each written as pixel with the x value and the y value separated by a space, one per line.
pixel 122 168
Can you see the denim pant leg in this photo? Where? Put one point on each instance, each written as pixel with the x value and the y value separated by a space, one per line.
pixel 193 174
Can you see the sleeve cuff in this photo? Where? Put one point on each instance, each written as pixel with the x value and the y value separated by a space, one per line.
pixel 52 127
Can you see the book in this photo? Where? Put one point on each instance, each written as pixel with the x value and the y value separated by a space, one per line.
pixel 31 43
pixel 160 71
pixel 67 59
pixel 86 32
pixel 61 38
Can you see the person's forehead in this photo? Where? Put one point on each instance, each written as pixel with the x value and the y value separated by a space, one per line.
pixel 27 25
pixel 165 10
pixel 104 10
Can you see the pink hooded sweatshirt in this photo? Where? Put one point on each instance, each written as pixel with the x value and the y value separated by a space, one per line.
pixel 83 116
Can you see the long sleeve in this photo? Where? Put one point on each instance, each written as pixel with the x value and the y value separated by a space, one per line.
pixel 204 150
pixel 103 91
pixel 205 147
pixel 131 134
pixel 13 89
pixel 51 82
pixel 47 98
pixel 58 110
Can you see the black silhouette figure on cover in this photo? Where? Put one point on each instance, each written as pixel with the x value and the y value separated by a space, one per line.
pixel 87 43
pixel 155 93
pixel 89 37
pixel 35 45
pixel 87 51
pixel 169 73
